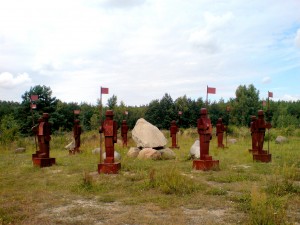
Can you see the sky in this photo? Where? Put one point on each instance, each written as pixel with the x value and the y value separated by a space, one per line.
pixel 142 49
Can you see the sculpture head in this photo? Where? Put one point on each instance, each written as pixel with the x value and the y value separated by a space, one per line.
pixel 203 111
pixel 220 120
pixel 123 121
pixel 253 118
pixel 45 116
pixel 76 121
pixel 109 114
pixel 173 122
pixel 260 113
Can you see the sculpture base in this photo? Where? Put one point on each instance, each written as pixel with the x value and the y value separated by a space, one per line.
pixel 252 151
pixel 109 168
pixel 73 152
pixel 43 162
pixel 264 157
pixel 205 164
pixel 174 146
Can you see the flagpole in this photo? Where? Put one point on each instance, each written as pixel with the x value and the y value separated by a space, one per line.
pixel 268 119
pixel 206 96
pixel 33 124
pixel 100 123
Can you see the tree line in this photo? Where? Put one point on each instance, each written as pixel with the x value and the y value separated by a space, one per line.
pixel 18 119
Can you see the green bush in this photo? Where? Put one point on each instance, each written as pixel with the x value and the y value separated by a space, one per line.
pixel 9 129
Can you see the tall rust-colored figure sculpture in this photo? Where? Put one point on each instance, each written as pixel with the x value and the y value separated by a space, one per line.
pixel 43 131
pixel 261 126
pixel 220 128
pixel 76 135
pixel 124 131
pixel 35 130
pixel 205 133
pixel 109 129
pixel 173 134
pixel 253 131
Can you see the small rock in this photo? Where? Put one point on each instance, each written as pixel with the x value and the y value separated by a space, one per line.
pixel 133 152
pixel 232 141
pixel 195 150
pixel 20 150
pixel 167 153
pixel 96 151
pixel 280 140
pixel 70 146
pixel 149 153
pixel 117 155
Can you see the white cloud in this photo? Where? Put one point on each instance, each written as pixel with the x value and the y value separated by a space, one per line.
pixel 288 97
pixel 207 39
pixel 266 80
pixel 297 38
pixel 130 46
pixel 7 80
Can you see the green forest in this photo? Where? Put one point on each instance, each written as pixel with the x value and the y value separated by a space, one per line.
pixel 17 119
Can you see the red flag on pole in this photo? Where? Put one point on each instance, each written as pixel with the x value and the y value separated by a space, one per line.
pixel 34 97
pixel 76 111
pixel 270 94
pixel 104 90
pixel 211 90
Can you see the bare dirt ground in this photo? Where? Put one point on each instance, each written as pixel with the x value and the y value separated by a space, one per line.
pixel 92 211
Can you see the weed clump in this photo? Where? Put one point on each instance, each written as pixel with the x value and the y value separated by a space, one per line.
pixel 172 182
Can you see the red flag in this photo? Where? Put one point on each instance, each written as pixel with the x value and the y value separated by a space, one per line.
pixel 32 105
pixel 76 111
pixel 270 94
pixel 104 90
pixel 34 97
pixel 211 90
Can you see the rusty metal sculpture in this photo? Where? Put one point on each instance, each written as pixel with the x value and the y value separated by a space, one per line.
pixel 205 134
pixel 261 125
pixel 220 128
pixel 124 131
pixel 253 131
pixel 76 135
pixel 109 129
pixel 43 131
pixel 173 134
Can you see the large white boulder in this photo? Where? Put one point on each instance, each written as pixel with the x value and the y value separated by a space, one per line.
pixel 146 135
pixel 195 150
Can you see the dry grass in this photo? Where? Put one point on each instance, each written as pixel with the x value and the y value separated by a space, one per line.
pixel 150 192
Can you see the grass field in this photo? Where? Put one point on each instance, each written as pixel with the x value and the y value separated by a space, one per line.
pixel 151 192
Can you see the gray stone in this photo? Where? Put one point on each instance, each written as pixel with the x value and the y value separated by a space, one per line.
pixel 133 152
pixel 20 150
pixel 280 140
pixel 117 155
pixel 232 141
pixel 195 150
pixel 167 153
pixel 96 151
pixel 71 145
pixel 149 153
pixel 146 135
